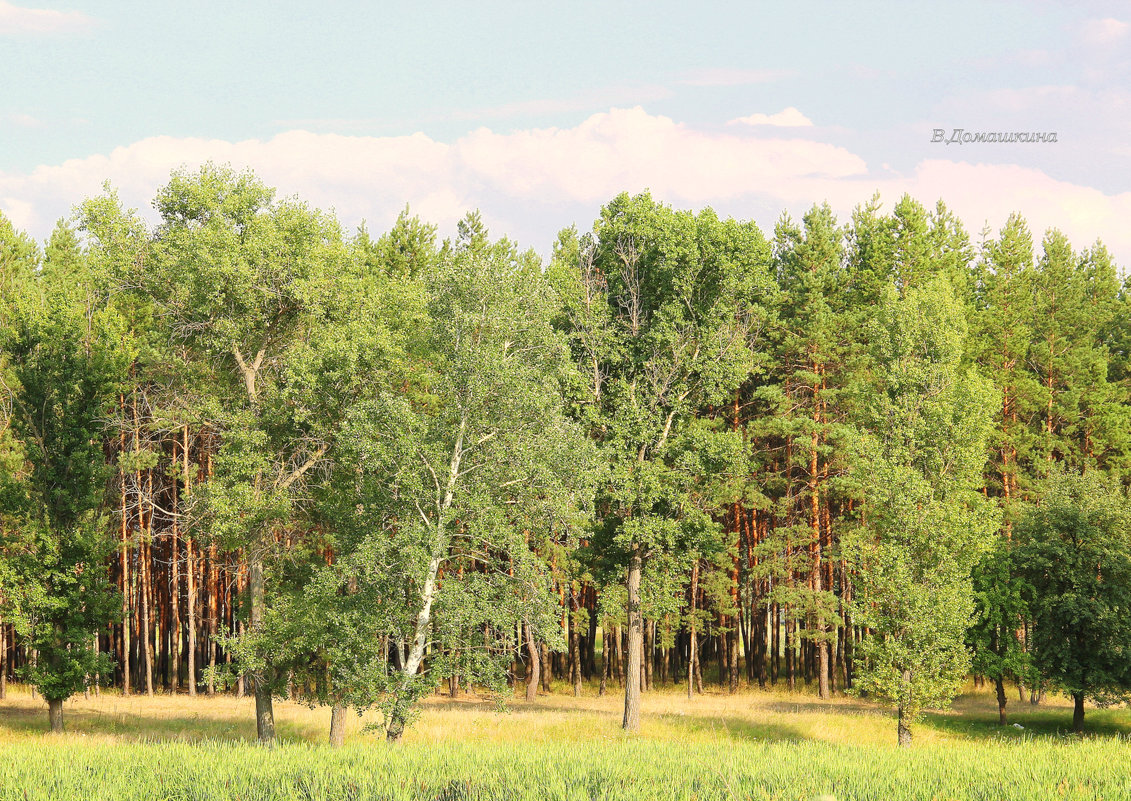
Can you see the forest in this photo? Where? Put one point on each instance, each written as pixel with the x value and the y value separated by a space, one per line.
pixel 247 451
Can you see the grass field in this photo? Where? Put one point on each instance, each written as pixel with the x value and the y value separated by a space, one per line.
pixel 761 745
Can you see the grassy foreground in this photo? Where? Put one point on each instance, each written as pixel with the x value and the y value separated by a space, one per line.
pixel 755 745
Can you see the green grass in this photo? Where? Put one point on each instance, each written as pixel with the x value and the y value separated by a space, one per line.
pixel 638 769
pixel 756 745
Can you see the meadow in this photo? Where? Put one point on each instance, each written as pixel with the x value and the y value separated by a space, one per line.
pixel 756 745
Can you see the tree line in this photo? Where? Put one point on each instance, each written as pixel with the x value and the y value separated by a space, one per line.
pixel 245 449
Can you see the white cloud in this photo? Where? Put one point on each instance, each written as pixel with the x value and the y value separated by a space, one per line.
pixel 528 183
pixel 987 193
pixel 1103 31
pixel 17 20
pixel 786 118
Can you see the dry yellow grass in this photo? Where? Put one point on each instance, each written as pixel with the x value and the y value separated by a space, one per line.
pixel 767 716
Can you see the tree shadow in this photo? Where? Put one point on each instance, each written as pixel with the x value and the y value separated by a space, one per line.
pixel 1044 722
pixel 29 719
pixel 735 728
pixel 816 707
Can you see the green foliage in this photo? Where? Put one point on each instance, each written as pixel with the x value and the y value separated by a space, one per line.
pixel 1000 612
pixel 63 372
pixel 661 308
pixel 449 475
pixel 922 451
pixel 1074 552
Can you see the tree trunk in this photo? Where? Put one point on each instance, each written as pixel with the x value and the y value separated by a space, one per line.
pixel 190 572
pixel 790 655
pixel 124 556
pixel 3 662
pixel 55 715
pixel 618 662
pixel 775 644
pixel 264 709
pixel 904 730
pixel 399 714
pixel 534 669
pixel 213 594
pixel 649 653
pixel 337 725
pixel 999 685
pixel 190 579
pixel 732 658
pixel 635 644
pixel 606 653
pixel 574 647
pixel 904 726
pixel 146 579
pixel 815 531
pixel 1078 712
pixel 692 641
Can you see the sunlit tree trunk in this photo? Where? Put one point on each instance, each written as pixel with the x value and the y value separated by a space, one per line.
pixel 534 665
pixel 635 644
pixel 55 715
pixel 904 726
pixel 337 725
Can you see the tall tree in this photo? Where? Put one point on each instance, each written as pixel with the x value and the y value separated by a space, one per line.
pixel 923 450
pixel 660 307
pixel 812 350
pixel 237 278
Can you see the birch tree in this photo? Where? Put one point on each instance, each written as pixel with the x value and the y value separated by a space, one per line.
pixel 455 472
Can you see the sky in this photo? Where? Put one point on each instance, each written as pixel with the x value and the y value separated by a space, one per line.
pixel 537 113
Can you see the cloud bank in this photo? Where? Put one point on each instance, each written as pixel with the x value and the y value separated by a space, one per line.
pixel 530 182
pixel 16 20
pixel 786 118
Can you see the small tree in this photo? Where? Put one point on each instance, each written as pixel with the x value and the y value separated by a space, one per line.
pixel 1074 551
pixel 59 380
pixel 924 524
pixel 1000 610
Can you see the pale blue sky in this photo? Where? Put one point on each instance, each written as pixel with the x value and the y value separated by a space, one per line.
pixel 86 89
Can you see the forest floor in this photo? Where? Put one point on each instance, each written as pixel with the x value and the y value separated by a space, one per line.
pixel 757 744
pixel 668 715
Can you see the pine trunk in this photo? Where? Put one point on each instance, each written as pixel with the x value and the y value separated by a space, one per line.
pixel 534 668
pixel 574 648
pixel 692 642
